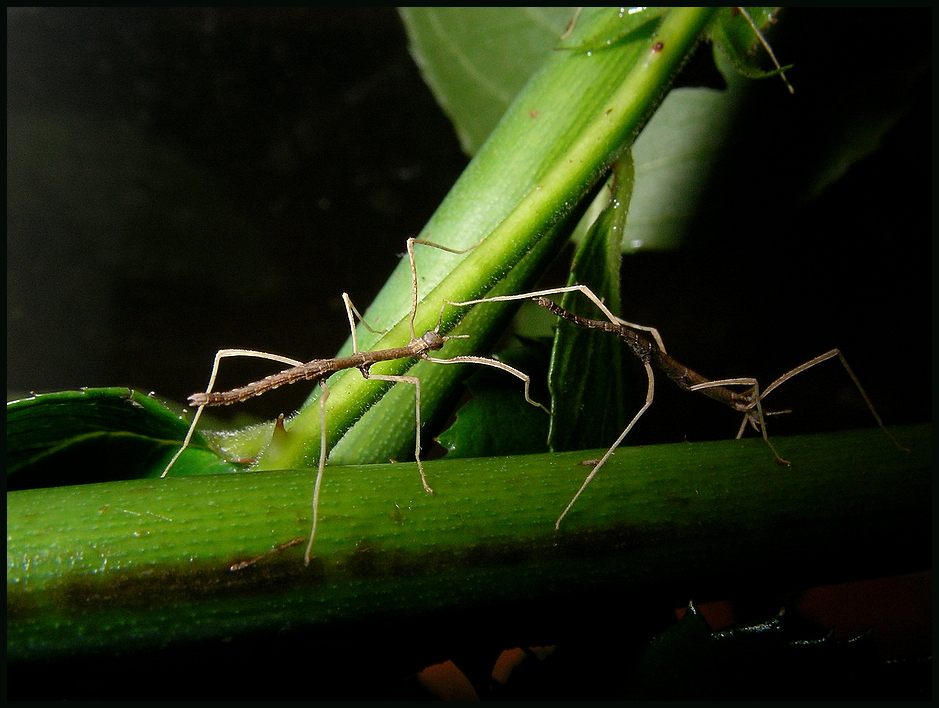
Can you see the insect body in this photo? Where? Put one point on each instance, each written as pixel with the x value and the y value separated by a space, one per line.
pixel 652 354
pixel 319 370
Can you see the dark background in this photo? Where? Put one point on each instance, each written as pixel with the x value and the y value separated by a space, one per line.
pixel 191 179
pixel 186 180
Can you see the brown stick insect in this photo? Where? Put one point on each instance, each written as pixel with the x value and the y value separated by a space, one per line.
pixel 651 352
pixel 319 370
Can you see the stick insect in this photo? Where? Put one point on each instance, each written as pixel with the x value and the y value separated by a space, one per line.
pixel 651 352
pixel 319 370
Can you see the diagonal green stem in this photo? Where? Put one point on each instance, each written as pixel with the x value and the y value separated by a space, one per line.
pixel 556 141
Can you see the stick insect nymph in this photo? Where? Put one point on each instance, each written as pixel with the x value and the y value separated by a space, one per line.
pixel 651 352
pixel 319 370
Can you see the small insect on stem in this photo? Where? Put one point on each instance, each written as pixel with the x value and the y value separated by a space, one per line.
pixel 319 370
pixel 651 352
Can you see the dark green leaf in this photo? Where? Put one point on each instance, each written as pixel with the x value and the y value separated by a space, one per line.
pixel 497 420
pixel 587 395
pixel 96 435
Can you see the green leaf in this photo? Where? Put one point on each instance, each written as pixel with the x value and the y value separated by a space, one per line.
pixel 675 156
pixel 477 59
pixel 685 140
pixel 497 420
pixel 96 435
pixel 588 399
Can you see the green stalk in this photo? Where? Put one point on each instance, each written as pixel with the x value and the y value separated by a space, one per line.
pixel 142 565
pixel 556 141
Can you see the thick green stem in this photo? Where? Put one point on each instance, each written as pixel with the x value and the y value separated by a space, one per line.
pixel 150 564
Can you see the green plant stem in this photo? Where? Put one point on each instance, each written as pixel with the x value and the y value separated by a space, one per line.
pixel 554 144
pixel 140 563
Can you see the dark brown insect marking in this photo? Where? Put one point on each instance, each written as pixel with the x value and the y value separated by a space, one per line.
pixel 658 46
